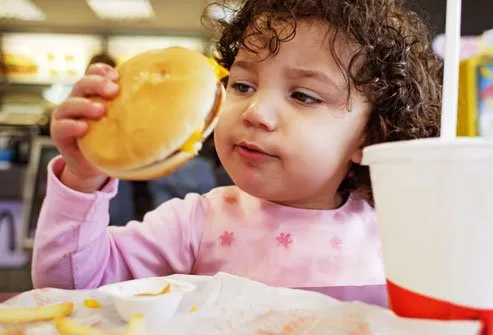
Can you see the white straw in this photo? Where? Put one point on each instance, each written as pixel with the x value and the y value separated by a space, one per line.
pixel 451 69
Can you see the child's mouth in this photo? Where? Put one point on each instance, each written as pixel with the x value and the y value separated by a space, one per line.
pixel 251 152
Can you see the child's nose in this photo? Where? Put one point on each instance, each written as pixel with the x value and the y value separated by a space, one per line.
pixel 261 114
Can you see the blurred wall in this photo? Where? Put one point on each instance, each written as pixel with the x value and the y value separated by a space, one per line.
pixel 477 15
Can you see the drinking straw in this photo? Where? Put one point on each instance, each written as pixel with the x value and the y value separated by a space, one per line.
pixel 451 70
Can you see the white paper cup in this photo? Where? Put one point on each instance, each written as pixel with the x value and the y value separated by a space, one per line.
pixel 434 204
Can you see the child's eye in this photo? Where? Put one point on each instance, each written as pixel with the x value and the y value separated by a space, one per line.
pixel 242 87
pixel 305 98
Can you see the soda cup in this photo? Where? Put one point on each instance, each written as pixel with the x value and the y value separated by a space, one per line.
pixel 434 205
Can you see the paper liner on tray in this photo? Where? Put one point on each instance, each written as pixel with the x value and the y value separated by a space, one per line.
pixel 226 304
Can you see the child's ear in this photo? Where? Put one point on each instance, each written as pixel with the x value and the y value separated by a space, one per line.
pixel 357 156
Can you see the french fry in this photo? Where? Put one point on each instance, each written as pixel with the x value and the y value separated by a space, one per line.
pixel 136 325
pixel 69 327
pixel 35 314
pixel 13 331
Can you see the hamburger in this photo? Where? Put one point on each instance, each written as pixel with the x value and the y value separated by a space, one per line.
pixel 169 103
pixel 19 64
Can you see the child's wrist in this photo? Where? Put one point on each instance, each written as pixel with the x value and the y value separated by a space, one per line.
pixel 82 184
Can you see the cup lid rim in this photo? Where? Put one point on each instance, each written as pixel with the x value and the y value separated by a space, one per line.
pixel 429 148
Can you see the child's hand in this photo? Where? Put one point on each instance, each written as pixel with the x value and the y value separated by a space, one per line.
pixel 67 125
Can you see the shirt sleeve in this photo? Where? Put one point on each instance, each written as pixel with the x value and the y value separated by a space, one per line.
pixel 75 249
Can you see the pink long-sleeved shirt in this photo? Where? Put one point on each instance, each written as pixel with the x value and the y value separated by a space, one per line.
pixel 335 251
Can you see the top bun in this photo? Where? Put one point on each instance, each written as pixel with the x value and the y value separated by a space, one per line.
pixel 166 99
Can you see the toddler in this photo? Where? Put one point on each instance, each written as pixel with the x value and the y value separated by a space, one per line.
pixel 311 83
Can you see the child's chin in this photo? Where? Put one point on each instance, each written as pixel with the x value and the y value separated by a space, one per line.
pixel 258 189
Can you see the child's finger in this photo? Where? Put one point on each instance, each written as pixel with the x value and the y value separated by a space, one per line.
pixel 95 85
pixel 62 130
pixel 103 70
pixel 79 108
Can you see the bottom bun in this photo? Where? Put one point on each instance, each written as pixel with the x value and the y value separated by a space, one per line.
pixel 155 170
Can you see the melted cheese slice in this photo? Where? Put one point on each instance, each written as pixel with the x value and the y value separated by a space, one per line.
pixel 220 71
pixel 193 141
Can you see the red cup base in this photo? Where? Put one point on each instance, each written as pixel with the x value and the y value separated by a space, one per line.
pixel 412 305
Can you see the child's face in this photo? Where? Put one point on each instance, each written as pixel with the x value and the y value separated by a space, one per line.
pixel 286 134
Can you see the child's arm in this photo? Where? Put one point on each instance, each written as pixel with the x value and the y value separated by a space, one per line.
pixel 74 248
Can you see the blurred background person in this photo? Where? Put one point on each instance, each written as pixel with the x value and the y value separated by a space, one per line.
pixel 198 175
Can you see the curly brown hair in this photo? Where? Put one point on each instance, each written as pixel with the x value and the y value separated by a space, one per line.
pixel 394 65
